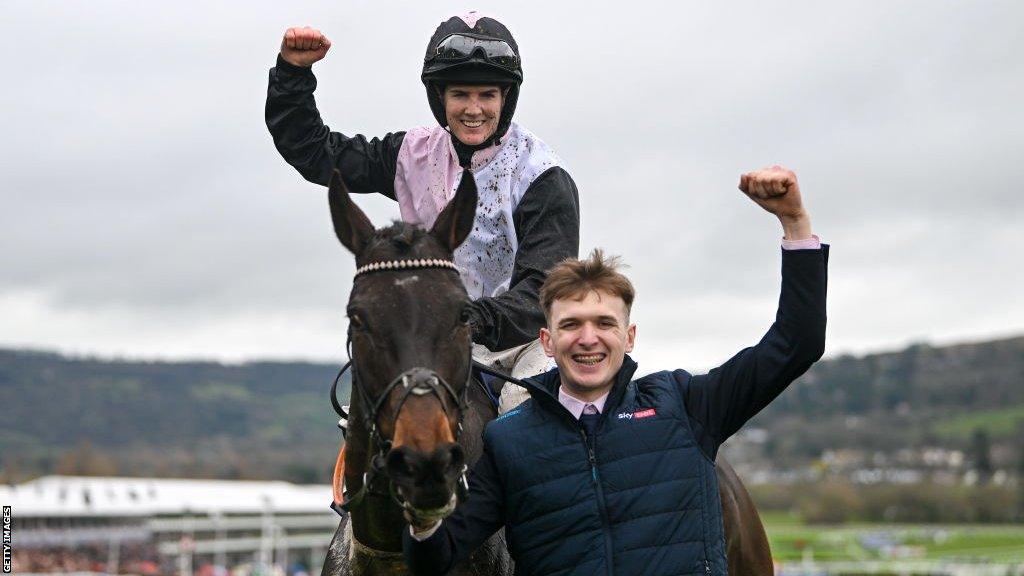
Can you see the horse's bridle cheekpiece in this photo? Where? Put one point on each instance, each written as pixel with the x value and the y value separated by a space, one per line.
pixel 416 381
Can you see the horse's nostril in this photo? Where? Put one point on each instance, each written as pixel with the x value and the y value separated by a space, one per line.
pixel 398 465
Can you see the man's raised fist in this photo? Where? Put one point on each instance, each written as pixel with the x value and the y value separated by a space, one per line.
pixel 775 189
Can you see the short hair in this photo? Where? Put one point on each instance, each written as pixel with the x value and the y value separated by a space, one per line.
pixel 572 278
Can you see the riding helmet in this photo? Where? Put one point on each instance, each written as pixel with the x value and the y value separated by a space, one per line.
pixel 475 67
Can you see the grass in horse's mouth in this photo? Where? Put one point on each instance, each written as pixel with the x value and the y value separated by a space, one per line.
pixel 431 514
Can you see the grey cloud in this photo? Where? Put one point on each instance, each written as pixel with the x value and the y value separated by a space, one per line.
pixel 141 188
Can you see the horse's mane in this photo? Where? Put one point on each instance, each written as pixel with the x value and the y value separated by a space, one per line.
pixel 402 236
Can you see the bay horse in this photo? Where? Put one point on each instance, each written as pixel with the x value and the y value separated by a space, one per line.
pixel 416 418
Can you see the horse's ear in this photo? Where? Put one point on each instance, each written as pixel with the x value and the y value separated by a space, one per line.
pixel 456 220
pixel 351 225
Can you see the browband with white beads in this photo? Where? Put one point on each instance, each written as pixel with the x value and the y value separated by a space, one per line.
pixel 406 265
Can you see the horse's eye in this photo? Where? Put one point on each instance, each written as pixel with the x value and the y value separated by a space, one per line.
pixel 465 316
pixel 355 321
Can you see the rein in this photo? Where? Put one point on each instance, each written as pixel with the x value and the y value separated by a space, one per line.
pixel 416 381
pixel 343 414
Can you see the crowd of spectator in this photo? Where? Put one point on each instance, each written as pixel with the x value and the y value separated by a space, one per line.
pixel 141 559
pixel 131 559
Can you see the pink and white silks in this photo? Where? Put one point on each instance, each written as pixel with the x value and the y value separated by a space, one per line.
pixel 428 173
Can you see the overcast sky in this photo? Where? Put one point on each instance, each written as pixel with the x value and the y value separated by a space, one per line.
pixel 147 214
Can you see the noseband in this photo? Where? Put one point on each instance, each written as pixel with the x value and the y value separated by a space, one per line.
pixel 416 381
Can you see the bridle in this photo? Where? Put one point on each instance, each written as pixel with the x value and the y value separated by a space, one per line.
pixel 416 381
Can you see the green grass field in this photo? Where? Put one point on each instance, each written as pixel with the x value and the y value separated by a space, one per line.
pixel 791 539
pixel 998 423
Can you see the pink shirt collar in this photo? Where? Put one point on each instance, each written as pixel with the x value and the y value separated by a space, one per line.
pixel 575 405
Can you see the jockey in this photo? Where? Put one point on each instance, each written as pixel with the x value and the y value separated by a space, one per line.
pixel 527 218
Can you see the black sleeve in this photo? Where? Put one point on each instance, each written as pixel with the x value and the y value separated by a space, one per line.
pixel 308 144
pixel 722 400
pixel 472 523
pixel 547 224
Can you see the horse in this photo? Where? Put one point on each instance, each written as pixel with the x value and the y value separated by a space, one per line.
pixel 747 552
pixel 417 416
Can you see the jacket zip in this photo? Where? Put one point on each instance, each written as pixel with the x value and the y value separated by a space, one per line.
pixel 706 505
pixel 545 395
pixel 596 478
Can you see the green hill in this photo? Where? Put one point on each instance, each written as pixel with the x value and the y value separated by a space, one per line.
pixel 256 420
pixel 917 397
pixel 273 419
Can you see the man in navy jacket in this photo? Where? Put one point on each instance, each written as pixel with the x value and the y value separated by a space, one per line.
pixel 602 474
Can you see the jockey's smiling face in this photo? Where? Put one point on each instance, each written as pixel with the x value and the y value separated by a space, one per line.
pixel 588 339
pixel 472 111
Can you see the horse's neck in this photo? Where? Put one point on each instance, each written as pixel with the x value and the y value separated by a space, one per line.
pixel 481 411
pixel 377 523
pixel 363 560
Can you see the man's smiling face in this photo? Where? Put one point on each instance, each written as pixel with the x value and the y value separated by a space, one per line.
pixel 588 338
pixel 472 111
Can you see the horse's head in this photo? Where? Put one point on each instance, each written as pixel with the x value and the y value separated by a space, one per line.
pixel 410 345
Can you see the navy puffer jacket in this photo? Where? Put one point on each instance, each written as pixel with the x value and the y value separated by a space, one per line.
pixel 641 496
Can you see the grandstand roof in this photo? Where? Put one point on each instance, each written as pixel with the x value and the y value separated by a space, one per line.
pixel 64 496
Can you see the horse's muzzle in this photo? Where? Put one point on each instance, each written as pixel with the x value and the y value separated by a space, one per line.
pixel 426 481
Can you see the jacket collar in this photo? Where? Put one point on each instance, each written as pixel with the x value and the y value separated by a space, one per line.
pixel 544 387
pixel 475 157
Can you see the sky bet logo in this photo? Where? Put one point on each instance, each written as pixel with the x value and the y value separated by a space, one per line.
pixel 637 415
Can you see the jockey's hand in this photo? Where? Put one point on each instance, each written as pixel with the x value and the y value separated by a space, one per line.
pixel 304 46
pixel 775 189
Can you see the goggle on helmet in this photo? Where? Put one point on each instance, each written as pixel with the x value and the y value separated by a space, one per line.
pixel 460 48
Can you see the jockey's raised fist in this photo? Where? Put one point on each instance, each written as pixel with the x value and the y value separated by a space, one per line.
pixel 304 46
pixel 775 189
